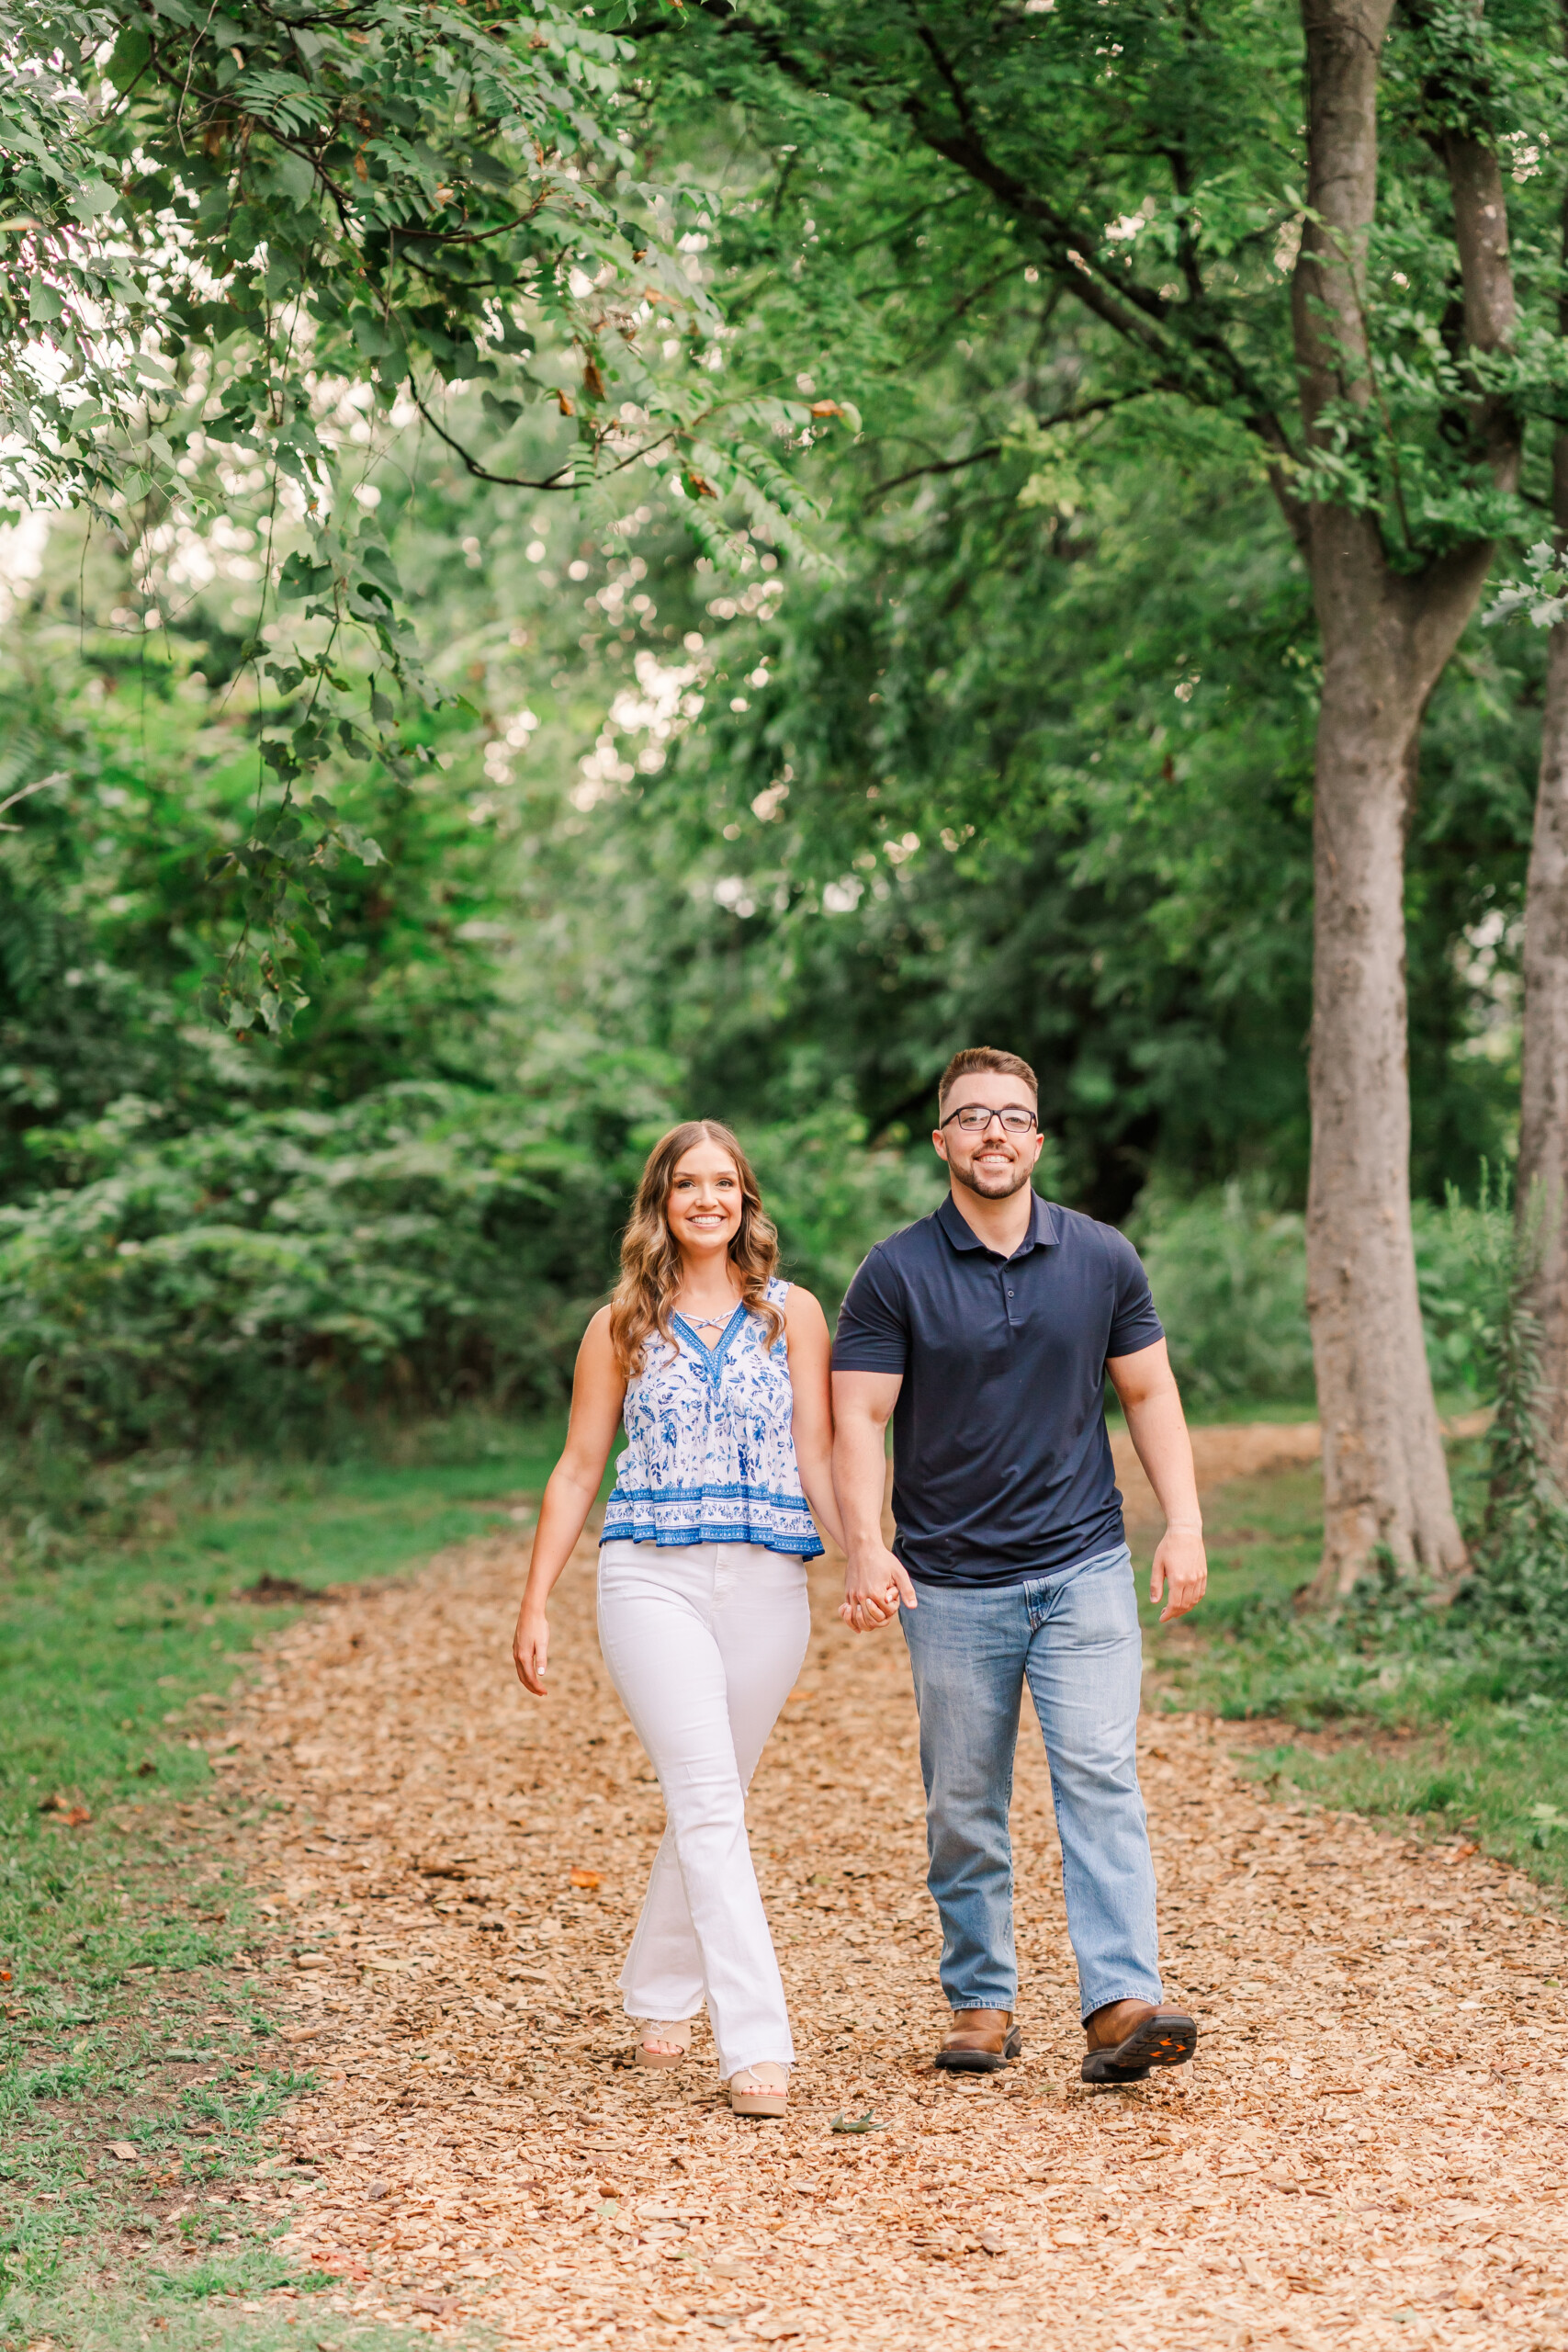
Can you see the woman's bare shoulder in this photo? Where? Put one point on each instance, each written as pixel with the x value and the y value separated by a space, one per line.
pixel 596 1344
pixel 803 1310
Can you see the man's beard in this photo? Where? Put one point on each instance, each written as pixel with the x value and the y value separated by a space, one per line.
pixel 988 1188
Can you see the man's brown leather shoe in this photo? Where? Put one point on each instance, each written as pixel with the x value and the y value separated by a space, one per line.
pixel 981 2042
pixel 1126 2037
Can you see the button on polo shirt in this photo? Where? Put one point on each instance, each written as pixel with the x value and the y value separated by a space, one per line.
pixel 1001 1463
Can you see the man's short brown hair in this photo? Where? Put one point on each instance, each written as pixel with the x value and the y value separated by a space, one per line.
pixel 986 1058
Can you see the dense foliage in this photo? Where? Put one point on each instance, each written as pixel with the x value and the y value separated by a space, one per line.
pixel 425 1247
pixel 1006 733
pixel 239 243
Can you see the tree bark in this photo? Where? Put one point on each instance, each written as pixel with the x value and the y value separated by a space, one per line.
pixel 1385 1479
pixel 1386 635
pixel 1543 1102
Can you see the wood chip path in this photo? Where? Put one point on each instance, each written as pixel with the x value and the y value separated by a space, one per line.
pixel 1368 2151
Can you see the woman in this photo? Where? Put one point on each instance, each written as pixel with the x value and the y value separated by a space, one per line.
pixel 722 1371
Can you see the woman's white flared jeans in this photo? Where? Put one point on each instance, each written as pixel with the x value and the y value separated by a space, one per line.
pixel 702 1642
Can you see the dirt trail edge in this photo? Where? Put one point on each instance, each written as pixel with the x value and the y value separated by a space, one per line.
pixel 1370 2149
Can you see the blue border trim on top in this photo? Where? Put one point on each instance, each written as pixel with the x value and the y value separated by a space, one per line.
pixel 742 1494
pixel 809 1547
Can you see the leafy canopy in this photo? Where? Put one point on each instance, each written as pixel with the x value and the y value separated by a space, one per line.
pixel 240 242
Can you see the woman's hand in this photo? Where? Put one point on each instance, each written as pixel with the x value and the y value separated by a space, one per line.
pixel 531 1649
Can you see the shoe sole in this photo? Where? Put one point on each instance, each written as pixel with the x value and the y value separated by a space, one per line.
pixel 981 2062
pixel 769 2105
pixel 1161 2041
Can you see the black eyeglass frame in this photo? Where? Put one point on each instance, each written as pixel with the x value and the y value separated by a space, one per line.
pixel 999 1116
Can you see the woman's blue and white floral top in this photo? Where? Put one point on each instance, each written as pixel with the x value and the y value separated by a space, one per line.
pixel 710 1457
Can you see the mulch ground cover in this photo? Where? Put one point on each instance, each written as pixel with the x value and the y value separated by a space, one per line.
pixel 1368 2149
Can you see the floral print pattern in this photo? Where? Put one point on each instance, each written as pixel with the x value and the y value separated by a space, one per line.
pixel 710 1455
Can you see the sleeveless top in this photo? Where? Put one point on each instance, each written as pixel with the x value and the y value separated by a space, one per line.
pixel 710 1457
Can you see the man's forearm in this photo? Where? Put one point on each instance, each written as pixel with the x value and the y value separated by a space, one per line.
pixel 1157 1428
pixel 860 1471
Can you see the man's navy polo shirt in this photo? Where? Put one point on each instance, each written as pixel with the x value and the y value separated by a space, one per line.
pixel 1001 1463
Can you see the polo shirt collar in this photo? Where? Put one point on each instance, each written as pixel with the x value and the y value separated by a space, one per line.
pixel 1043 1227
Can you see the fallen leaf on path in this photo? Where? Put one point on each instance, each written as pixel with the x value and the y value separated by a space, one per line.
pixel 585 1878
pixel 70 1811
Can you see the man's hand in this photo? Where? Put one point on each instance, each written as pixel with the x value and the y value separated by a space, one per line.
pixel 1181 1566
pixel 531 1650
pixel 875 1582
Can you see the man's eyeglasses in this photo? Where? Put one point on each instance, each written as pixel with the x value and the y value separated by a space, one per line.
pixel 973 1118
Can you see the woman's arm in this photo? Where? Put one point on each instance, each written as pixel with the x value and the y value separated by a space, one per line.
pixel 598 1393
pixel 810 1347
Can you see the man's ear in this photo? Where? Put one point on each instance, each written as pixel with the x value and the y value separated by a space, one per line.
pixel 939 1142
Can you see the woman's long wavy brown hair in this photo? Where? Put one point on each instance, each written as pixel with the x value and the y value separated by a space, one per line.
pixel 650 1259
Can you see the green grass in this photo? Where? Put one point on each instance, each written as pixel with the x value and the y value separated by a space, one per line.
pixel 102 1657
pixel 121 1899
pixel 1400 1717
pixel 87 2320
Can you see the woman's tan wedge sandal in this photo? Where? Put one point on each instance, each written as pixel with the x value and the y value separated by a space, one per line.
pixel 752 2090
pixel 662 2044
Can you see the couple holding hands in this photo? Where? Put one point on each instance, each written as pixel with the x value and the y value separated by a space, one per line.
pixel 986 1333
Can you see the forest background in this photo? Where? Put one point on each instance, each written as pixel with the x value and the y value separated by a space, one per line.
pixel 752 601
pixel 842 652
pixel 1007 734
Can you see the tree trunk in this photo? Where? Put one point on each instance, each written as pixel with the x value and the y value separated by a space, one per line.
pixel 1386 635
pixel 1543 1104
pixel 1385 1479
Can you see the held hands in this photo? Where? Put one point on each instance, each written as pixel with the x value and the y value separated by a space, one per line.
pixel 1181 1565
pixel 874 1583
pixel 531 1650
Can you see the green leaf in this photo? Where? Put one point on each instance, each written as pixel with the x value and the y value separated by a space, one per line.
pixel 91 198
pixel 294 175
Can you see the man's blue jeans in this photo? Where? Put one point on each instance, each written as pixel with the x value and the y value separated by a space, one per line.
pixel 1074 1638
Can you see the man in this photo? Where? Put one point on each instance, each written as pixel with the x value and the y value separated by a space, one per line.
pixel 985 1332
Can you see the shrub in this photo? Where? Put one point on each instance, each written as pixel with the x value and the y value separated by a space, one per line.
pixel 1228 1270
pixel 425 1247
pixel 1396 1650
pixel 831 1198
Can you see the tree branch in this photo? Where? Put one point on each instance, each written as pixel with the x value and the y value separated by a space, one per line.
pixel 1480 234
pixel 1191 358
pixel 1075 415
pixel 938 466
pixel 1458 90
pixel 560 479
